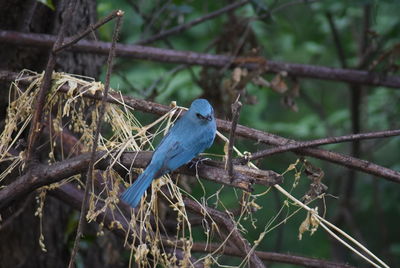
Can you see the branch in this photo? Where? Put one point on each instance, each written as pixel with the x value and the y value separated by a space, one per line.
pixel 336 39
pixel 246 132
pixel 268 256
pixel 74 39
pixel 89 175
pixel 224 220
pixel 235 117
pixel 219 61
pixel 330 140
pixel 42 174
pixel 36 124
pixel 338 158
pixel 190 24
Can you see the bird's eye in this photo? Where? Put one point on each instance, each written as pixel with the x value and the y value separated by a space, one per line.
pixel 199 116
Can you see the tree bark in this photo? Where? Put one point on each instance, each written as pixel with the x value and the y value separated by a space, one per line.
pixel 20 228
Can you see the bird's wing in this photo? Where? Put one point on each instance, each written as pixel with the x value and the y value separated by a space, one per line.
pixel 183 154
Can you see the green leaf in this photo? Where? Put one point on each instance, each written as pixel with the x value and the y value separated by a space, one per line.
pixel 48 3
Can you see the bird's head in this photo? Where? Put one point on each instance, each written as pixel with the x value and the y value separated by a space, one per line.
pixel 201 110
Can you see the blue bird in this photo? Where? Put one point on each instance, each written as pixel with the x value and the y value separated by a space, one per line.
pixel 191 135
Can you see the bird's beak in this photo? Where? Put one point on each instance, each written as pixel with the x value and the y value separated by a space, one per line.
pixel 209 117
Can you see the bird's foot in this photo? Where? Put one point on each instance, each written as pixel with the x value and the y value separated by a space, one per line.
pixel 195 163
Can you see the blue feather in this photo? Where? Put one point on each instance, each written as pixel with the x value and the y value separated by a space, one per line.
pixel 191 135
pixel 134 193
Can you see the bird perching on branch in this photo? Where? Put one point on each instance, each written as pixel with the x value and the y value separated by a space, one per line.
pixel 191 135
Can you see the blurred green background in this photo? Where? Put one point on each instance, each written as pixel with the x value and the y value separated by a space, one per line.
pixel 297 32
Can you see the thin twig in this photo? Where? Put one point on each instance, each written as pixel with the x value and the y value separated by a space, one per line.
pixel 336 39
pixel 10 219
pixel 203 59
pixel 236 106
pixel 75 39
pixel 268 256
pixel 324 141
pixel 183 27
pixel 225 221
pixel 36 124
pixel 89 175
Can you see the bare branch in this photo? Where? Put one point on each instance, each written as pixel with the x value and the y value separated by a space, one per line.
pixel 74 39
pixel 89 175
pixel 269 256
pixel 330 140
pixel 42 174
pixel 36 124
pixel 336 39
pixel 190 24
pixel 218 61
pixel 224 220
pixel 235 117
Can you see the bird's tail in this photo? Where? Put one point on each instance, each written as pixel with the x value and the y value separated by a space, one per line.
pixel 134 193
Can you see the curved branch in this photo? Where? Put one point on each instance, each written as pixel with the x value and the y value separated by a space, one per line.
pixel 42 174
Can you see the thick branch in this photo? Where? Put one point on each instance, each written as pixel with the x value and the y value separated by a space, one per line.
pixel 219 61
pixel 42 174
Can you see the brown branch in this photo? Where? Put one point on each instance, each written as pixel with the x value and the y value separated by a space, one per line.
pixel 219 61
pixel 269 256
pixel 89 175
pixel 42 174
pixel 10 218
pixel 190 24
pixel 338 158
pixel 330 140
pixel 224 220
pixel 246 132
pixel 235 117
pixel 336 39
pixel 74 39
pixel 36 124
pixel 243 177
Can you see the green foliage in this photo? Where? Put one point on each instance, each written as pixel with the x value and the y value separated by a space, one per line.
pixel 48 3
